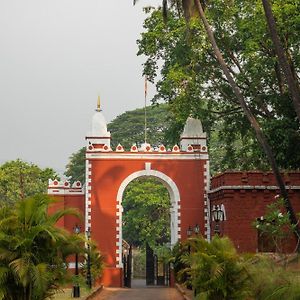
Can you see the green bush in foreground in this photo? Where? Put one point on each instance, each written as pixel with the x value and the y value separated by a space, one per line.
pixel 33 251
pixel 217 271
pixel 214 270
pixel 271 281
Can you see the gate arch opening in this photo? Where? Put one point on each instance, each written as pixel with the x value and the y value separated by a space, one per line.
pixel 174 210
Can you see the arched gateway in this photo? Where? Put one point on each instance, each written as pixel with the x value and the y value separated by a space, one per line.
pixel 183 170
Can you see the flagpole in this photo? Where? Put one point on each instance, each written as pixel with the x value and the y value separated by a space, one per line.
pixel 145 109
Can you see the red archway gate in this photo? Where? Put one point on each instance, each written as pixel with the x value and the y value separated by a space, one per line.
pixel 183 170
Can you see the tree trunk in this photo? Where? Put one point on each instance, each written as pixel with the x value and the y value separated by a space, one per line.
pixel 283 61
pixel 259 134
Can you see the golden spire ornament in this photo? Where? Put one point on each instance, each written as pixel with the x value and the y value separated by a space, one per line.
pixel 98 104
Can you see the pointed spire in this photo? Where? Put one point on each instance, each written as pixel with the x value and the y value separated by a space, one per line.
pixel 98 104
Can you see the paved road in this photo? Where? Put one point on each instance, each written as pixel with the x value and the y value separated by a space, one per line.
pixel 139 291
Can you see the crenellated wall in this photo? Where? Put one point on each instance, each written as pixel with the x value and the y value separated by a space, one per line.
pixel 66 196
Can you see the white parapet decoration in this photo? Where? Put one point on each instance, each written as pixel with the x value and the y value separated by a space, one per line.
pixel 120 148
pixel 63 187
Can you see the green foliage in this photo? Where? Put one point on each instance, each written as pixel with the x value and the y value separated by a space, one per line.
pixel 128 128
pixel 96 262
pixel 270 281
pixel 163 253
pixel 19 179
pixel 181 267
pixel 192 83
pixel 215 270
pixel 75 169
pixel 33 252
pixel 146 217
pixel 275 225
pixel 139 263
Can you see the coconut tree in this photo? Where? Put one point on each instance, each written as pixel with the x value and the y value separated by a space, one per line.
pixel 192 7
pixel 33 251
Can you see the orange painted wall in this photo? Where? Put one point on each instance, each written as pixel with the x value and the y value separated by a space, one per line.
pixel 108 175
pixel 59 204
pixel 69 201
pixel 68 222
pixel 78 202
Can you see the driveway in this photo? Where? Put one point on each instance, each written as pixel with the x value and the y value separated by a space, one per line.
pixel 139 291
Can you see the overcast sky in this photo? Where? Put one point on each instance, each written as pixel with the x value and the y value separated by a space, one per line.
pixel 56 56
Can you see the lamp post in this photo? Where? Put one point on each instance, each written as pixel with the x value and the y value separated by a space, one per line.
pixel 197 229
pixel 218 214
pixel 189 232
pixel 76 287
pixel 88 273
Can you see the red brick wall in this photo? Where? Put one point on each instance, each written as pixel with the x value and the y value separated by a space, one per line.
pixel 243 205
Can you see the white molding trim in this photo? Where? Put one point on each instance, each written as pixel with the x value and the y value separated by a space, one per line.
pixel 148 155
pixel 63 191
pixel 252 187
pixel 147 165
pixel 88 210
pixel 175 203
pixel 206 203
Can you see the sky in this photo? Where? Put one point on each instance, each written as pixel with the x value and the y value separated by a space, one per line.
pixel 56 57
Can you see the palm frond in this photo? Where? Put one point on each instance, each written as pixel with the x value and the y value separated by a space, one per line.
pixel 4 272
pixel 61 213
pixel 21 270
pixel 33 251
pixel 40 277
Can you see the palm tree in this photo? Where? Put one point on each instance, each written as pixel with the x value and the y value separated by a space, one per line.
pixel 190 7
pixel 216 269
pixel 33 251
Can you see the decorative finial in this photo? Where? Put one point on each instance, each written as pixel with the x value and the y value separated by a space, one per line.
pixel 98 104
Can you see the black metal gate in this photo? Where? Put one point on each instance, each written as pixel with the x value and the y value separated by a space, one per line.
pixel 162 273
pixel 150 266
pixel 157 271
pixel 127 260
